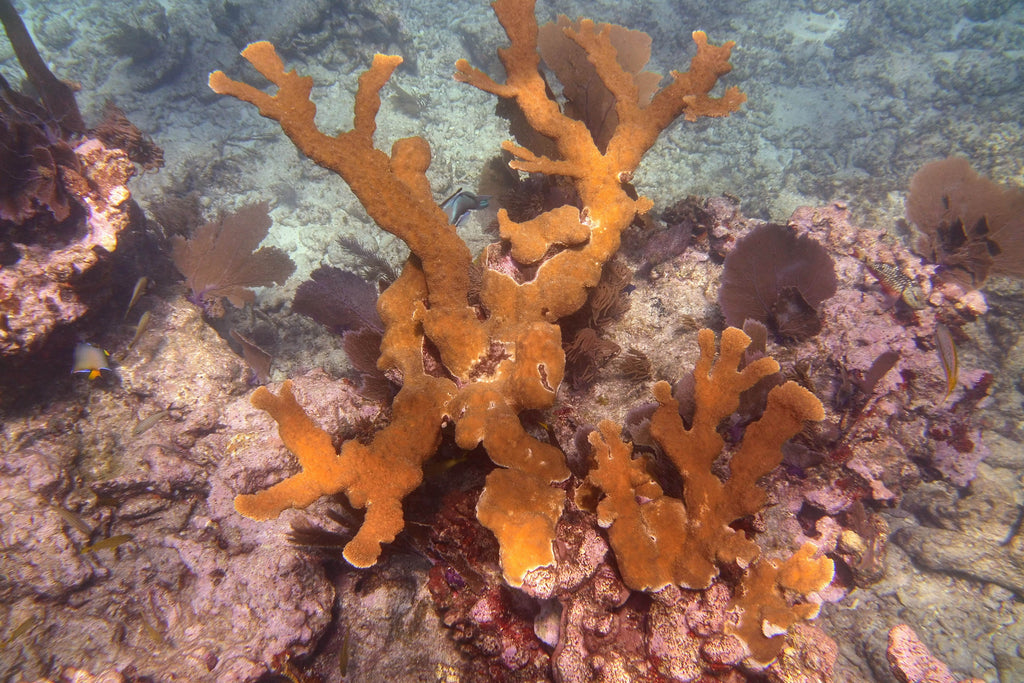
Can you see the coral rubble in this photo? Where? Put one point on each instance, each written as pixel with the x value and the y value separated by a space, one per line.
pixel 976 535
pixel 64 209
pixel 48 286
pixel 197 594
pixel 911 662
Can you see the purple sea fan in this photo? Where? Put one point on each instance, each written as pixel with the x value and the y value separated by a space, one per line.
pixel 339 300
pixel 778 278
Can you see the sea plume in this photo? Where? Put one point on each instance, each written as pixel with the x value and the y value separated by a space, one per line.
pixel 339 300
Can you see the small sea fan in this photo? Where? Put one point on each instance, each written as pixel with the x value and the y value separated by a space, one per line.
pixel 969 224
pixel 338 300
pixel 221 260
pixel 777 278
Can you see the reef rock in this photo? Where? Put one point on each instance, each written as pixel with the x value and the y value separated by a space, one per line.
pixel 121 544
pixel 48 283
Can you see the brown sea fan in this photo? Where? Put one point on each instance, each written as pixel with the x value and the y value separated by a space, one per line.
pixel 970 224
pixel 221 260
pixel 588 99
pixel 777 278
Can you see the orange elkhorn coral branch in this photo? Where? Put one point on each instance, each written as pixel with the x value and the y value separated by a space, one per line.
pixel 670 541
pixel 393 189
pixel 502 354
pixel 660 540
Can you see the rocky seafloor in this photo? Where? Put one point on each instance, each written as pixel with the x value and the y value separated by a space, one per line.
pixel 845 102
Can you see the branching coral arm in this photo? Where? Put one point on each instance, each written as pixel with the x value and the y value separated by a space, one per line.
pixel 393 189
pixel 525 84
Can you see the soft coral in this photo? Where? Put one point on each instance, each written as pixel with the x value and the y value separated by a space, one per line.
pixel 221 260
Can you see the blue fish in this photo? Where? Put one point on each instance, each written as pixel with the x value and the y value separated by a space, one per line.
pixel 90 359
pixel 460 203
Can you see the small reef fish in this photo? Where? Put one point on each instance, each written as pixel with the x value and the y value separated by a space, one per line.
pixel 109 543
pixel 22 628
pixel 91 360
pixel 343 654
pixel 152 631
pixel 460 203
pixel 148 422
pixel 139 330
pixel 895 281
pixel 948 356
pixel 140 288
pixel 73 520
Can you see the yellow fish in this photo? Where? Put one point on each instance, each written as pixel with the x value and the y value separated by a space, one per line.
pixel 21 630
pixel 109 543
pixel 949 358
pixel 90 359
pixel 140 288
